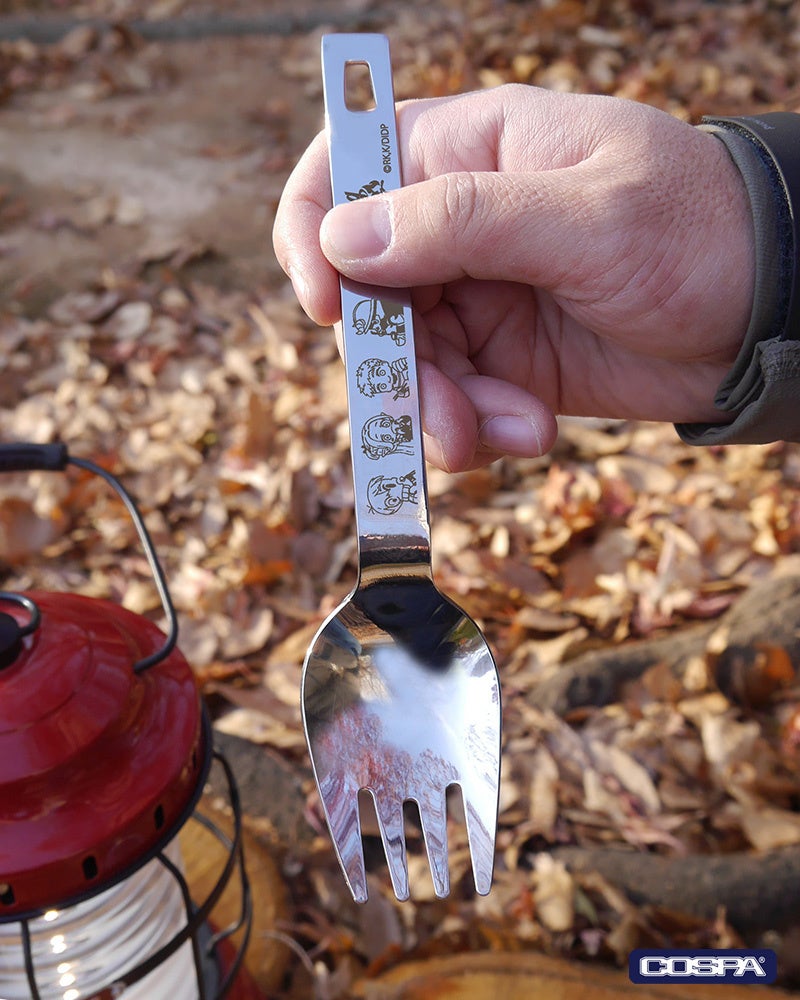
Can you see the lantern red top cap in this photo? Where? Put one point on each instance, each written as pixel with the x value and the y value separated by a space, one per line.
pixel 98 764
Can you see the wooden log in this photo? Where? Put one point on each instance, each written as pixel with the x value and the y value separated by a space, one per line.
pixel 758 891
pixel 270 789
pixel 266 957
pixel 768 611
pixel 531 976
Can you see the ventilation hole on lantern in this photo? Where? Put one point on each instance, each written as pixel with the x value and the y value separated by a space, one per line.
pixel 6 894
pixel 158 817
pixel 90 867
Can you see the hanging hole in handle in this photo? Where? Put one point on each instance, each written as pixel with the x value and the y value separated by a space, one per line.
pixel 359 92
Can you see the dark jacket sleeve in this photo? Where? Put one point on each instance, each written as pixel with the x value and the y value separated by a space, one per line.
pixel 761 393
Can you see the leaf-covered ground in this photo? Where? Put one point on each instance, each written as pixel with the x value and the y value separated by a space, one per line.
pixel 145 323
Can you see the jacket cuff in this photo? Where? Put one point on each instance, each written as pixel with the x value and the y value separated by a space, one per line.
pixel 762 389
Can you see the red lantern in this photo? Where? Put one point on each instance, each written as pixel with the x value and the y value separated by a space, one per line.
pixel 105 748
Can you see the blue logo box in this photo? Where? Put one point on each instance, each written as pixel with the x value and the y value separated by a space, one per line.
pixel 702 965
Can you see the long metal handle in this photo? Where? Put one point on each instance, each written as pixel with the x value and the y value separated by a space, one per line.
pixel 382 394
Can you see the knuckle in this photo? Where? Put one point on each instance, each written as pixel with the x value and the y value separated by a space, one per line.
pixel 464 208
pixel 460 196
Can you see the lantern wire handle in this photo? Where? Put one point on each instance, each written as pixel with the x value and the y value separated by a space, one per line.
pixel 29 457
pixel 149 550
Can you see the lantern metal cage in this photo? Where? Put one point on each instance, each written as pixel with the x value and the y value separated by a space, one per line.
pixel 137 837
pixel 217 962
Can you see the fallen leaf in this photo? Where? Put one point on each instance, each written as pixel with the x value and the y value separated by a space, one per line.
pixel 553 893
pixel 768 829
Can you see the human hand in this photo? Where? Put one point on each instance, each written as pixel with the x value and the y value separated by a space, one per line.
pixel 567 254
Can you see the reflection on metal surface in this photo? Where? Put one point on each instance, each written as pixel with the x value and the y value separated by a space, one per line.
pixel 401 697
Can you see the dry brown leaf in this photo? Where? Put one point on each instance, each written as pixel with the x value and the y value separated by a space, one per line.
pixel 130 321
pixel 631 775
pixel 553 894
pixel 768 829
pixel 642 474
pixel 543 795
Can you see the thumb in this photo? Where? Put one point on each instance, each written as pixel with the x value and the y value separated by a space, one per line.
pixel 531 228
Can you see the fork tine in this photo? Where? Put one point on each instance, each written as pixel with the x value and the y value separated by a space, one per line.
pixel 433 815
pixel 390 821
pixel 481 837
pixel 345 827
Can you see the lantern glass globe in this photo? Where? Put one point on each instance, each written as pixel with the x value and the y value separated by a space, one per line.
pixel 81 949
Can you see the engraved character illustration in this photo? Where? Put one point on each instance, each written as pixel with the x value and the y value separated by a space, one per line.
pixel 375 376
pixel 387 494
pixel 382 318
pixel 373 187
pixel 384 435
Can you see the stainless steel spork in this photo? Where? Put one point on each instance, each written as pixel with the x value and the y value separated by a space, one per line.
pixel 400 692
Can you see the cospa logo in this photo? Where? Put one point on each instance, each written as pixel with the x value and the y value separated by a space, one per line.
pixel 701 965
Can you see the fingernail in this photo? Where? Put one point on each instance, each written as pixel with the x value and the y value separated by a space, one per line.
pixel 512 435
pixel 357 230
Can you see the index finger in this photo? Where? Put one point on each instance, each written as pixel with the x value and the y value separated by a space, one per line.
pixel 305 200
